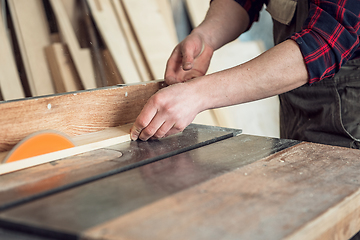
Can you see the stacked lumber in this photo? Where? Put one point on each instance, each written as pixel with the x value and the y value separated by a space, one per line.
pixel 56 46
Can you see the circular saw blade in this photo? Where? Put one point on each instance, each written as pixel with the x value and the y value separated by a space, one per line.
pixel 39 143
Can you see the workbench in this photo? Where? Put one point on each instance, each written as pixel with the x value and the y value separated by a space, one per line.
pixel 204 183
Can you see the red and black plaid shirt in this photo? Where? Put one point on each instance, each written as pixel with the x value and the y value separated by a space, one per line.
pixel 329 37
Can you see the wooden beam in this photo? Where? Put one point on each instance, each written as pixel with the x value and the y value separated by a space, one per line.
pixel 136 52
pixel 85 143
pixel 154 37
pixel 111 71
pixel 72 8
pixel 166 11
pixel 33 36
pixel 10 84
pixel 62 68
pixel 73 113
pixel 81 57
pixel 107 23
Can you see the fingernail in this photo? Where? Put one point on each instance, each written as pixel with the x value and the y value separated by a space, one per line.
pixel 133 135
pixel 187 66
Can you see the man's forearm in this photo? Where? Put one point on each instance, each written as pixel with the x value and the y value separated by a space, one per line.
pixel 224 22
pixel 276 71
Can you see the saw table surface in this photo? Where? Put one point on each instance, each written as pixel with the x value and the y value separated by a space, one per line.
pixel 205 183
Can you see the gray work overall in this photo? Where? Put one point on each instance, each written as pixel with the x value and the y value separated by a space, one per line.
pixel 328 111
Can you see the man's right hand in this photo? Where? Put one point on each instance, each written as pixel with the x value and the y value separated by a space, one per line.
pixel 190 59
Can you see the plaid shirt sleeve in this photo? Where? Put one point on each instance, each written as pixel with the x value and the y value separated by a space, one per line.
pixel 329 36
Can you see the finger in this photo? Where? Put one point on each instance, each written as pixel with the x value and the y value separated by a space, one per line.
pixel 175 129
pixel 152 128
pixel 142 121
pixel 190 50
pixel 173 65
pixel 163 130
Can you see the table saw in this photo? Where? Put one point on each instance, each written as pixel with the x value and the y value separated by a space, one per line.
pixel 204 183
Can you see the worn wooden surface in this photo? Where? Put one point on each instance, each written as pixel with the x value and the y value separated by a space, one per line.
pixel 309 191
pixel 73 113
pixel 220 191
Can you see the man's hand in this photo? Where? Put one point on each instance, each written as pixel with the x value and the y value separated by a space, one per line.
pixel 167 112
pixel 190 59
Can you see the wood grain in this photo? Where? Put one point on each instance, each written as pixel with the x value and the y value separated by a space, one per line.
pixel 154 37
pixel 81 57
pixel 33 36
pixel 309 191
pixel 62 68
pixel 107 23
pixel 10 84
pixel 73 113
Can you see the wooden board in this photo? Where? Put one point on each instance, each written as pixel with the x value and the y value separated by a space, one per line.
pixel 62 68
pixel 73 113
pixel 73 10
pixel 111 32
pixel 80 57
pixel 152 33
pixel 137 54
pixel 309 191
pixel 166 11
pixel 113 76
pixel 83 143
pixel 10 84
pixel 33 36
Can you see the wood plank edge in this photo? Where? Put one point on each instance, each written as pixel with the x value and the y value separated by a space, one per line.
pixel 348 209
pixel 49 157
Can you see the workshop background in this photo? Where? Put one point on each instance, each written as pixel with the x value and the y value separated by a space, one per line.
pixel 55 46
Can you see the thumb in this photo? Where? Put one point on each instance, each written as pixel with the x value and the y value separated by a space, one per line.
pixel 187 59
pixel 190 51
